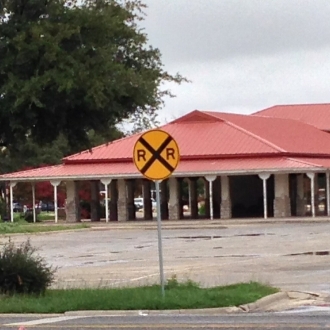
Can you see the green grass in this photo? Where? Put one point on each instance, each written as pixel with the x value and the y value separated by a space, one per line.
pixel 43 216
pixel 178 296
pixel 22 226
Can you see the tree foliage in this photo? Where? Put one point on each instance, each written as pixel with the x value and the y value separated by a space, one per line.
pixel 67 69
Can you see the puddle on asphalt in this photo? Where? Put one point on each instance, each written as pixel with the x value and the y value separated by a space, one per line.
pixel 97 262
pixel 208 237
pixel 141 246
pixel 238 256
pixel 309 253
pixel 222 256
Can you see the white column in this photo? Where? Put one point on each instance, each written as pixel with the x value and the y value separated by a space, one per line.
pixel 264 177
pixel 12 184
pixel 55 183
pixel 328 192
pixel 106 183
pixel 210 179
pixel 34 202
pixel 312 177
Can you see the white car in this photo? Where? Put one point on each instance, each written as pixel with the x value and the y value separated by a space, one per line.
pixel 139 204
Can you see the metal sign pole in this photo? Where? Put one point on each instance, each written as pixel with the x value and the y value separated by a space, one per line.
pixel 160 249
pixel 156 155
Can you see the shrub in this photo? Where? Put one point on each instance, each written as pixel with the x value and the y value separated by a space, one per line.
pixel 23 272
pixel 172 282
pixel 201 210
pixel 28 216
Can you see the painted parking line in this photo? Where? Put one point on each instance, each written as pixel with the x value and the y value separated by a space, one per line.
pixel 45 321
pixel 187 326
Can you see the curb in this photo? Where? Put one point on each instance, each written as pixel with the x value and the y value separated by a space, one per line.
pixel 204 311
pixel 264 302
pixel 277 302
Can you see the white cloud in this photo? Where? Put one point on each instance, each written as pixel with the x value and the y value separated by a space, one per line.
pixel 242 55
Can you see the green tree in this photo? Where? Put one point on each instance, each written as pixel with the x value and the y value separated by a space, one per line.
pixel 67 69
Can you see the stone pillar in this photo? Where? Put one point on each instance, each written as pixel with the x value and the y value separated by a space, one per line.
pixel 164 200
pixel 282 196
pixel 300 196
pixel 113 207
pixel 72 207
pixel 122 200
pixel 193 198
pixel 207 199
pixel 147 205
pixel 225 198
pixel 95 201
pixel 174 204
pixel 130 186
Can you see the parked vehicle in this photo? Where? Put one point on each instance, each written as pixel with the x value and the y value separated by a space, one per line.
pixel 17 207
pixel 139 203
pixel 47 206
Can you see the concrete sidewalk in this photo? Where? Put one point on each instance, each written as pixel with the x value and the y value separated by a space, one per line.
pixel 205 223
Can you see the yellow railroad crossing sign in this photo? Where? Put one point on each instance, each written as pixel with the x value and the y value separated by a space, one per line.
pixel 156 154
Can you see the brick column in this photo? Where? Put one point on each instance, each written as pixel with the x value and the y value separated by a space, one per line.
pixel 122 201
pixel 225 198
pixel 193 198
pixel 72 207
pixel 95 201
pixel 174 204
pixel 113 207
pixel 164 212
pixel 282 200
pixel 300 196
pixel 146 187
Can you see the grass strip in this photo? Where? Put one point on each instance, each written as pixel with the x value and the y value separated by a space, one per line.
pixel 21 227
pixel 179 296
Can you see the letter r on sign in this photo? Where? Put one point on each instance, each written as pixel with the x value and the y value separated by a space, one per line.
pixel 141 154
pixel 170 152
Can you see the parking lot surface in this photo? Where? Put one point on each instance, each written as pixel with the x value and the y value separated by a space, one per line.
pixel 289 256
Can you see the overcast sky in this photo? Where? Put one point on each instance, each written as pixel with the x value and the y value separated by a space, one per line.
pixel 242 55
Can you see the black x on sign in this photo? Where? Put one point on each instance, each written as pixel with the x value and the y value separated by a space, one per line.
pixel 156 154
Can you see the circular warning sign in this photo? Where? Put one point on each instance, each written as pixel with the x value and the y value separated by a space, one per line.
pixel 156 154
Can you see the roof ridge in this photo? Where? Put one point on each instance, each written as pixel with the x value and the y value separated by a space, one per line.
pixel 304 162
pixel 259 138
pixel 196 112
pixel 100 146
pixel 291 105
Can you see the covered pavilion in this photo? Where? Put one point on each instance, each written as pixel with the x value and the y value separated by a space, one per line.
pixel 253 166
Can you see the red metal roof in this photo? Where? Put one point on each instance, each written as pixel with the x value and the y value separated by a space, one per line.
pixel 317 115
pixel 209 142
pixel 186 167
pixel 286 135
pixel 212 134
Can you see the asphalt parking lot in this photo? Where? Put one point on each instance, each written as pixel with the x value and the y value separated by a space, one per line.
pixel 290 256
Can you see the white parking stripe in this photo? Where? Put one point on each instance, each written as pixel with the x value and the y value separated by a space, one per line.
pixel 45 321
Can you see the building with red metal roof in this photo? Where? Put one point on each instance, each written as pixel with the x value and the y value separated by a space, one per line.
pixel 317 115
pixel 257 165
